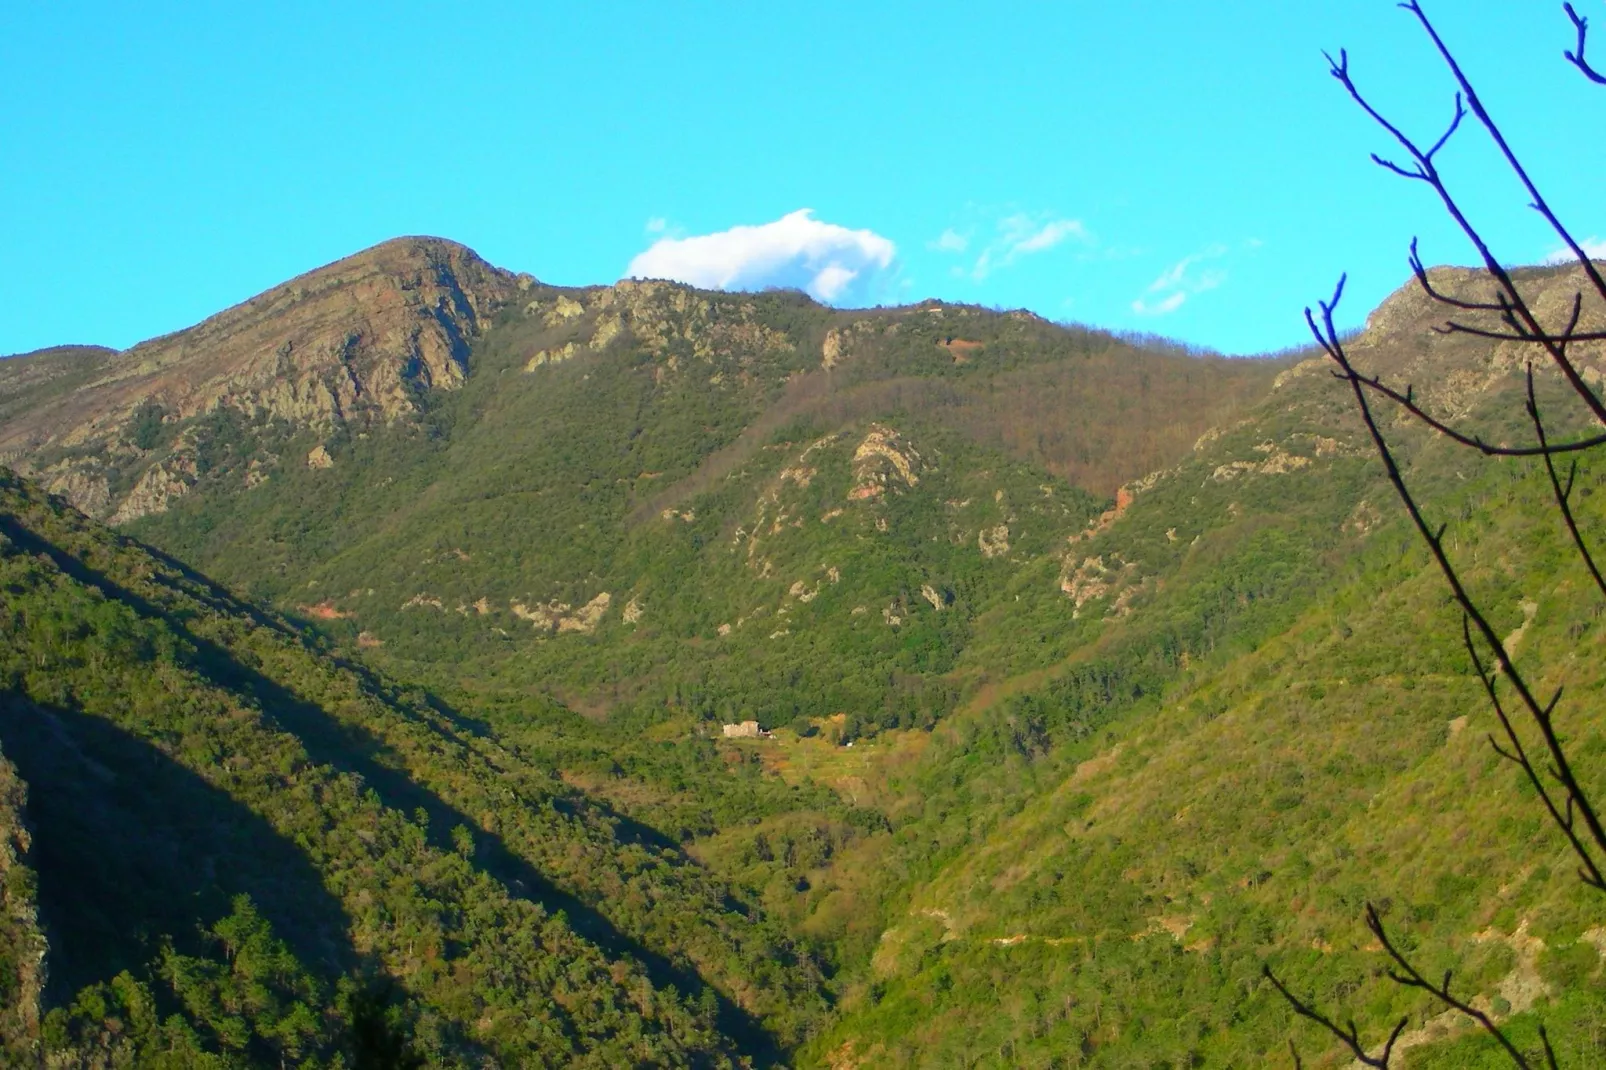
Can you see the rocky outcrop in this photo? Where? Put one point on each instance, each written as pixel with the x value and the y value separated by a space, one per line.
pixel 993 541
pixel 831 349
pixel 353 341
pixel 555 355
pixel 1092 578
pixel 667 320
pixel 881 461
pixel 1275 461
pixel 1404 340
pixel 158 488
pixel 840 343
pixel 559 617
pixel 87 489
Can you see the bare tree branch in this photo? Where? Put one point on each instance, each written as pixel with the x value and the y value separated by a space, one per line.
pixel 1410 977
pixel 1563 491
pixel 1563 816
pixel 1407 401
pixel 1426 170
pixel 1538 202
pixel 1348 1035
pixel 1576 58
pixel 1544 762
pixel 1327 335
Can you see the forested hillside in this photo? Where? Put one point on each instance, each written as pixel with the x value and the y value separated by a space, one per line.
pixel 228 824
pixel 1097 675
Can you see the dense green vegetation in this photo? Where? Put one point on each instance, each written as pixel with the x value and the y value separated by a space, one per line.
pixel 1099 677
pixel 233 827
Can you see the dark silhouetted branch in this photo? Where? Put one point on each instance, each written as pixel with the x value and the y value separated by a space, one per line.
pixel 1519 333
pixel 1563 490
pixel 1517 754
pixel 1410 977
pixel 1576 57
pixel 1348 1035
pixel 1513 304
pixel 1421 272
pixel 1407 401
pixel 1541 756
pixel 1577 802
pixel 1537 200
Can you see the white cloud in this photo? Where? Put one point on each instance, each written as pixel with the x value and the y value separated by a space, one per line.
pixel 1180 281
pixel 1050 235
pixel 1594 248
pixel 656 225
pixel 832 281
pixel 950 241
pixel 831 263
pixel 1023 235
pixel 1159 308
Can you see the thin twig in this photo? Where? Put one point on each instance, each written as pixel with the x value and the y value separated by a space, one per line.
pixel 1410 977
pixel 1327 336
pixel 1427 171
pixel 1348 1035
pixel 1588 872
pixel 1537 200
pixel 1557 785
pixel 1576 57
pixel 1407 401
pixel 1563 491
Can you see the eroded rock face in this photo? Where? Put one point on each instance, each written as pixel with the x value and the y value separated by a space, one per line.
pixel 87 490
pixel 159 487
pixel 353 341
pixel 661 314
pixel 883 460
pixel 1404 341
pixel 556 355
pixel 1094 578
pixel 559 617
pixel 831 349
pixel 993 541
pixel 1275 462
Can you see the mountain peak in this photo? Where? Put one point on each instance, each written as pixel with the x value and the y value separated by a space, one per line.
pixel 354 341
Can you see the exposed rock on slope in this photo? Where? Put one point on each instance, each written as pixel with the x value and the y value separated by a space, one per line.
pixel 1452 372
pixel 883 459
pixel 669 320
pixel 353 341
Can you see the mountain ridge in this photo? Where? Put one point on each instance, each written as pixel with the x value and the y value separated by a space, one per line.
pixel 350 342
pixel 1082 608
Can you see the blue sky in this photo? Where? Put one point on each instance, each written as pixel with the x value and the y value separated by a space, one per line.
pixel 1182 168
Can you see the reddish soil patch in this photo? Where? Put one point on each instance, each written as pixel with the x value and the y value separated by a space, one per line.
pixel 1123 499
pixel 325 610
pixel 961 349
